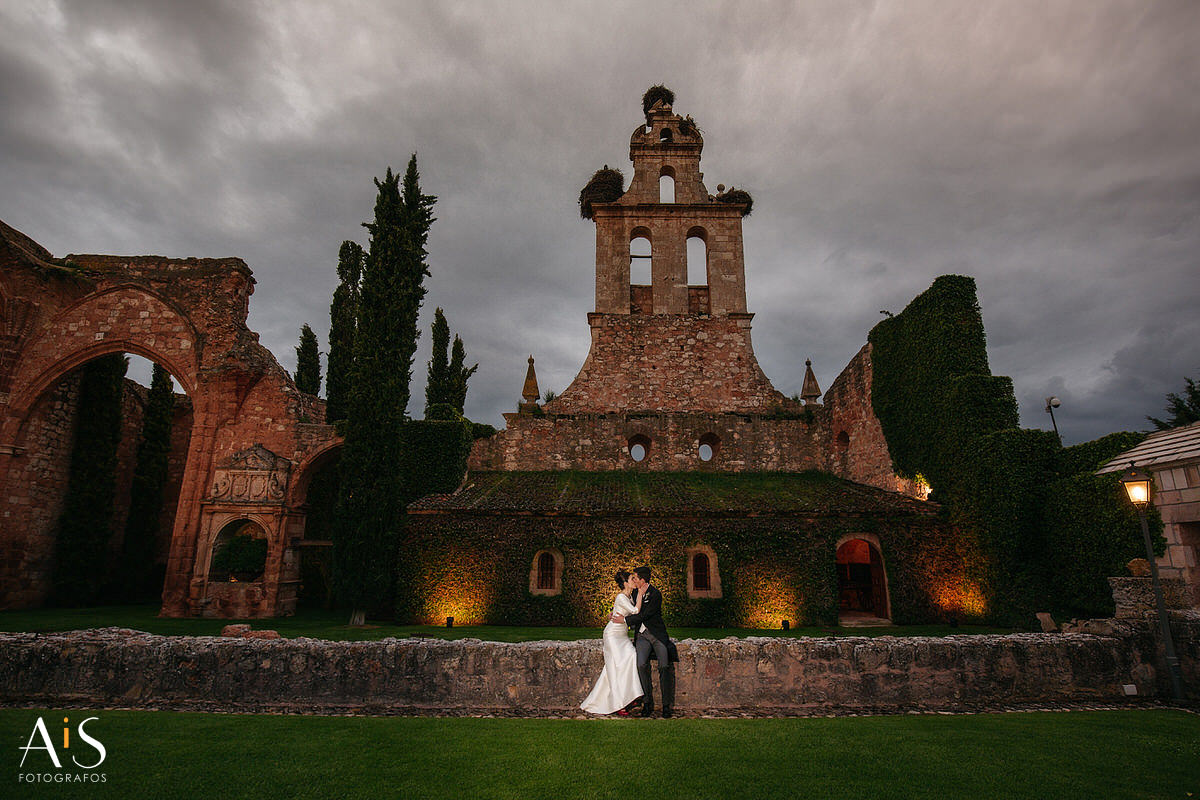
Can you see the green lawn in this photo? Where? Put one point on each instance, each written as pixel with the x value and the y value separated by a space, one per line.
pixel 332 625
pixel 1106 754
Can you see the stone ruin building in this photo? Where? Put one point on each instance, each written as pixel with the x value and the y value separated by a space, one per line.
pixel 246 442
pixel 671 390
pixel 670 427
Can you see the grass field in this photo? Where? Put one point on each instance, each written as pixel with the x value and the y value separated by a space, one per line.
pixel 332 625
pixel 1080 754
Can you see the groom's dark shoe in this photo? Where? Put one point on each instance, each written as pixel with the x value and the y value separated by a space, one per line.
pixel 666 682
pixel 647 711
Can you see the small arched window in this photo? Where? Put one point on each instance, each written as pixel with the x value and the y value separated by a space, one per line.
pixel 707 448
pixel 545 578
pixel 545 569
pixel 665 135
pixel 700 576
pixel 703 579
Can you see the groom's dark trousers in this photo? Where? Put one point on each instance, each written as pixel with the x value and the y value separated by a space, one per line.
pixel 666 678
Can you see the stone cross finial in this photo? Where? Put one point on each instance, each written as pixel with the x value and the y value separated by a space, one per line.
pixel 530 392
pixel 810 391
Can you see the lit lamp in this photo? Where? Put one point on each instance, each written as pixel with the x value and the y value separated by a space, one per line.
pixel 1140 489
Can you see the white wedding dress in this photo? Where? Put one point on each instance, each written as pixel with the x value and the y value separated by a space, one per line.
pixel 618 684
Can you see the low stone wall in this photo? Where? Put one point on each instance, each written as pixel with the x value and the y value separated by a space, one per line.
pixel 113 667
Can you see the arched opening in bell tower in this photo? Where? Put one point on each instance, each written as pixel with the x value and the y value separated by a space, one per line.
pixel 641 292
pixel 666 185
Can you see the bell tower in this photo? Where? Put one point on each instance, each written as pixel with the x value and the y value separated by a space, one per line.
pixel 665 206
pixel 659 343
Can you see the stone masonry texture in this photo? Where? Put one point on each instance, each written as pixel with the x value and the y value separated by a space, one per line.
pixel 129 669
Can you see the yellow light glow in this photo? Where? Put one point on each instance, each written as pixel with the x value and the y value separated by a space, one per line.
pixel 923 487
pixel 1138 492
pixel 772 602
pixel 960 597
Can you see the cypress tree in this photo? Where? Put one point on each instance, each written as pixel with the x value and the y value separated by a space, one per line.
pixel 139 577
pixel 437 385
pixel 85 525
pixel 370 503
pixel 459 375
pixel 343 324
pixel 308 362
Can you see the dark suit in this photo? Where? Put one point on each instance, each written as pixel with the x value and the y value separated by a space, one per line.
pixel 655 643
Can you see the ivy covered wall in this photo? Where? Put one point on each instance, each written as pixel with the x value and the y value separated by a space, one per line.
pixel 1039 531
pixel 470 556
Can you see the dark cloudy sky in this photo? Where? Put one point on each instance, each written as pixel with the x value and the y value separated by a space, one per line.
pixel 1049 149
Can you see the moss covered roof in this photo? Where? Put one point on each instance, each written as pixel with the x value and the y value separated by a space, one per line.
pixel 669 494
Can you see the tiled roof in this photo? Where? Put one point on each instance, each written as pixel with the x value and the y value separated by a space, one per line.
pixel 1163 447
pixel 669 494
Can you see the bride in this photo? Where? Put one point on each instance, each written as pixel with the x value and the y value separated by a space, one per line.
pixel 618 684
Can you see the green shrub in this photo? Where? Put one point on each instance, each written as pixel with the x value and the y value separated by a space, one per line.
pixel 241 554
pixel 1090 456
pixel 1092 531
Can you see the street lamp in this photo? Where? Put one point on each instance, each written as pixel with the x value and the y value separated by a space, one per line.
pixel 1051 404
pixel 1139 487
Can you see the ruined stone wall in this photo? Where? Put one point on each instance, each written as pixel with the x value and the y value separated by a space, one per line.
pixel 181 435
pixel 743 443
pixel 32 502
pixel 857 448
pixel 669 363
pixel 788 676
pixel 188 315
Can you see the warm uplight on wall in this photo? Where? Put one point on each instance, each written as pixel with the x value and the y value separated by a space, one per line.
pixel 960 597
pixel 772 601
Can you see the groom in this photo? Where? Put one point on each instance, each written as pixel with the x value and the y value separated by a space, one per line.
pixel 650 636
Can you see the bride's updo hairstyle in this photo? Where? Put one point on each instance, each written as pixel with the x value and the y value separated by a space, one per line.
pixel 620 578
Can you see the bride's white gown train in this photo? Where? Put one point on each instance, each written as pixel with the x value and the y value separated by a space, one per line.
pixel 618 684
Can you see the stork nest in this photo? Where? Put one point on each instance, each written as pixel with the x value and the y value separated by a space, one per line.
pixel 739 196
pixel 654 94
pixel 605 186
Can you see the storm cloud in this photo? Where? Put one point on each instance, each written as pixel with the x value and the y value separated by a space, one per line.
pixel 1050 150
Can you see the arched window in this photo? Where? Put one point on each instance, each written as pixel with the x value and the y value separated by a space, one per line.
pixel 707 448
pixel 841 452
pixel 697 257
pixel 638 447
pixel 545 571
pixel 665 135
pixel 666 185
pixel 703 580
pixel 545 578
pixel 700 576
pixel 639 258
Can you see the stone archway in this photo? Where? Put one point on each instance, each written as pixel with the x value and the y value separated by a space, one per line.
pixel 189 315
pixel 863 596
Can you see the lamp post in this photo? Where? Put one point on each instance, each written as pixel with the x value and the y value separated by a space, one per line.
pixel 1051 404
pixel 1139 487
